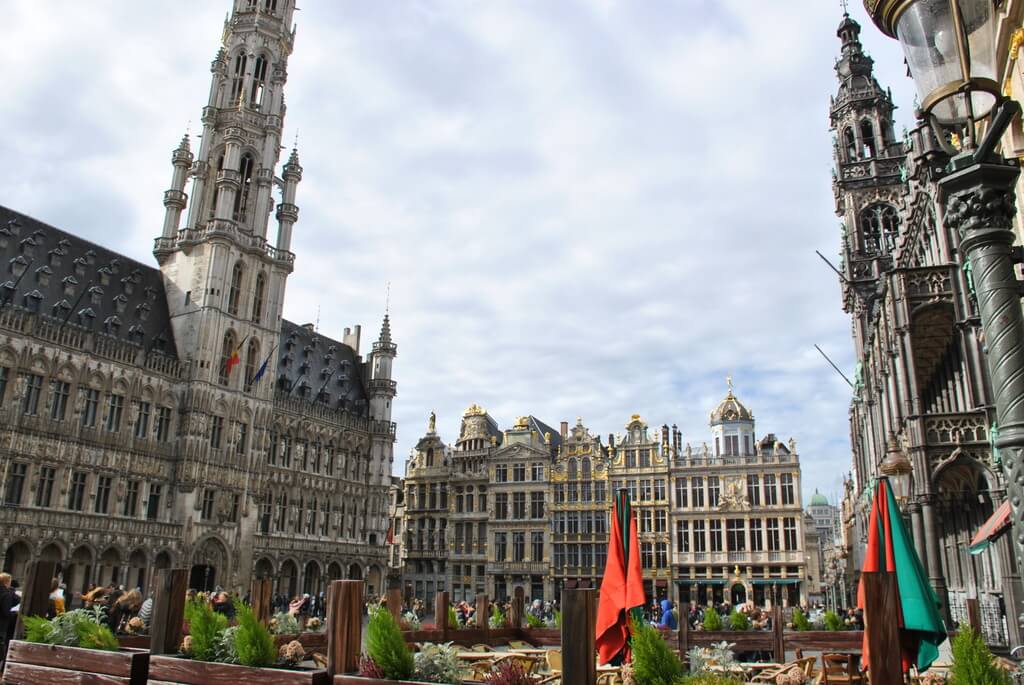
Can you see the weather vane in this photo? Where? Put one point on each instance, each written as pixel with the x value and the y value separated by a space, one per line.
pixel 728 380
pixel 846 6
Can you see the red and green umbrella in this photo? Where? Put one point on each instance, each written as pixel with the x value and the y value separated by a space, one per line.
pixel 890 550
pixel 622 587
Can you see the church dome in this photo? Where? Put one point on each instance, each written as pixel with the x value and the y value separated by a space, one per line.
pixel 819 500
pixel 731 409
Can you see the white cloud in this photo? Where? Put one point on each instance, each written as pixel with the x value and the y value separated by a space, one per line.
pixel 587 209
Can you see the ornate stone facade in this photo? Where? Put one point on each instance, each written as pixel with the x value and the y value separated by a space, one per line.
pixel 528 507
pixel 171 418
pixel 920 383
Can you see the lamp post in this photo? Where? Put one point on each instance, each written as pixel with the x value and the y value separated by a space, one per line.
pixel 950 50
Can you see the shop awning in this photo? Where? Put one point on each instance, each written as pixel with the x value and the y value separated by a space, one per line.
pixel 997 524
pixel 700 581
pixel 775 581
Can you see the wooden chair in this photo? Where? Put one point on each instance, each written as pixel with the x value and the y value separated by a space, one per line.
pixel 769 675
pixel 519 644
pixel 482 648
pixel 478 671
pixel 529 663
pixel 553 657
pixel 839 669
pixel 609 678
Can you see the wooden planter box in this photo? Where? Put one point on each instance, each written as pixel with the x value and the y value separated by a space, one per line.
pixel 360 680
pixel 36 664
pixel 542 637
pixel 310 641
pixel 170 670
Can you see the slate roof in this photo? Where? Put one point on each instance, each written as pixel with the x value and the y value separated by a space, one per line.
pixel 64 277
pixel 542 428
pixel 311 366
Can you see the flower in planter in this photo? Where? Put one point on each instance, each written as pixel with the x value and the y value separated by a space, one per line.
pixel 368 668
pixel 439 664
pixel 136 626
pixel 314 624
pixel 793 676
pixel 509 672
pixel 186 646
pixel 292 654
pixel 284 623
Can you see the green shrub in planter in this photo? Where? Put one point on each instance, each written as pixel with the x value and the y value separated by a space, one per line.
pixel 204 627
pixel 439 664
pixel 497 619
pixel 79 628
pixel 709 679
pixel 253 642
pixel 534 622
pixel 739 620
pixel 712 621
pixel 653 660
pixel 453 619
pixel 973 663
pixel 284 623
pixel 832 621
pixel 386 646
pixel 800 621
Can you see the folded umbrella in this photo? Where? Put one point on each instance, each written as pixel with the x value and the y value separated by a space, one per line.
pixel 622 587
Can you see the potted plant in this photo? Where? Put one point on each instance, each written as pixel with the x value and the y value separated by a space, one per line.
pixel 216 652
pixel 712 621
pixel 800 621
pixel 286 628
pixel 73 641
pixel 653 660
pixel 739 620
pixel 973 662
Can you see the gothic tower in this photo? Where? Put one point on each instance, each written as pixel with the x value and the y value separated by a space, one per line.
pixel 382 392
pixel 225 282
pixel 867 177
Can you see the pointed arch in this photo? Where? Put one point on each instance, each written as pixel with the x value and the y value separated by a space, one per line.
pixel 246 167
pixel 235 288
pixel 867 136
pixel 849 144
pixel 252 361
pixel 238 76
pixel 258 294
pixel 227 351
pixel 259 82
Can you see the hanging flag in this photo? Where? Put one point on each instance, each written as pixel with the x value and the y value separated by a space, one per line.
pixel 234 358
pixel 622 588
pixel 391 535
pixel 263 367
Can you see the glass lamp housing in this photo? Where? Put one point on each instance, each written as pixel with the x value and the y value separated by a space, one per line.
pixel 950 50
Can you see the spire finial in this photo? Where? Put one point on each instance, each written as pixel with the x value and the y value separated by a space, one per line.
pixel 316 326
pixel 846 7
pixel 728 381
pixel 295 145
pixel 387 298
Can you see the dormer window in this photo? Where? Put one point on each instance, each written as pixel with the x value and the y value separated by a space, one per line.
pixel 159 343
pixel 90 257
pixel 136 333
pixel 28 246
pixel 142 311
pixel 95 294
pixel 80 265
pixel 120 303
pixel 150 293
pixel 86 318
pixel 104 274
pixel 54 257
pixel 112 325
pixel 18 265
pixel 70 284
pixel 32 301
pixel 61 309
pixel 115 265
pixel 5 237
pixel 306 350
pixel 6 291
pixel 43 274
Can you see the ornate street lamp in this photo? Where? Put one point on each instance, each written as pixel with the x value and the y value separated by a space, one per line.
pixel 950 49
pixel 898 469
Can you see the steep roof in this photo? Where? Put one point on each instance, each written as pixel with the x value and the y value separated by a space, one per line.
pixel 80 284
pixel 309 363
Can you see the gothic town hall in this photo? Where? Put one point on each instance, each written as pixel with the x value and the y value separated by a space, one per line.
pixel 169 417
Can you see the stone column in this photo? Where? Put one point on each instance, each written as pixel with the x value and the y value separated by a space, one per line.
pixel 932 551
pixel 917 528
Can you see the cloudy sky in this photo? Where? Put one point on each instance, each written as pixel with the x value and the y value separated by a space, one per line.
pixel 583 208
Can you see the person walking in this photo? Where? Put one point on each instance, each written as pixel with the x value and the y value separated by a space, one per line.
pixel 8 600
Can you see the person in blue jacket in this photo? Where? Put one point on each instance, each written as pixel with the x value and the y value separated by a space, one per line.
pixel 668 619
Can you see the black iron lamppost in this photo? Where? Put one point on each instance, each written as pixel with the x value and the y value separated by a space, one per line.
pixel 950 50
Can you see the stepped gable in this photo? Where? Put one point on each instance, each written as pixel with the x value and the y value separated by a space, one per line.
pixel 65 278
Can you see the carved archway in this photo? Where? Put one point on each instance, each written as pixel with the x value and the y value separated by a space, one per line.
pixel 209 562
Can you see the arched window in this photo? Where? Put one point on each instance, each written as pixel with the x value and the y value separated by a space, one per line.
pixel 227 350
pixel 879 227
pixel 252 362
pixel 259 82
pixel 257 297
pixel 238 76
pixel 586 468
pixel 572 469
pixel 235 291
pixel 850 143
pixel 270 5
pixel 867 134
pixel 244 191
pixel 215 195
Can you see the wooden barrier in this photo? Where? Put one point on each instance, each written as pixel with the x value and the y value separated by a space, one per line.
pixel 344 625
pixel 515 618
pixel 881 604
pixel 165 626
pixel 35 597
pixel 441 614
pixel 483 615
pixel 394 600
pixel 259 598
pixel 35 664
pixel 579 623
